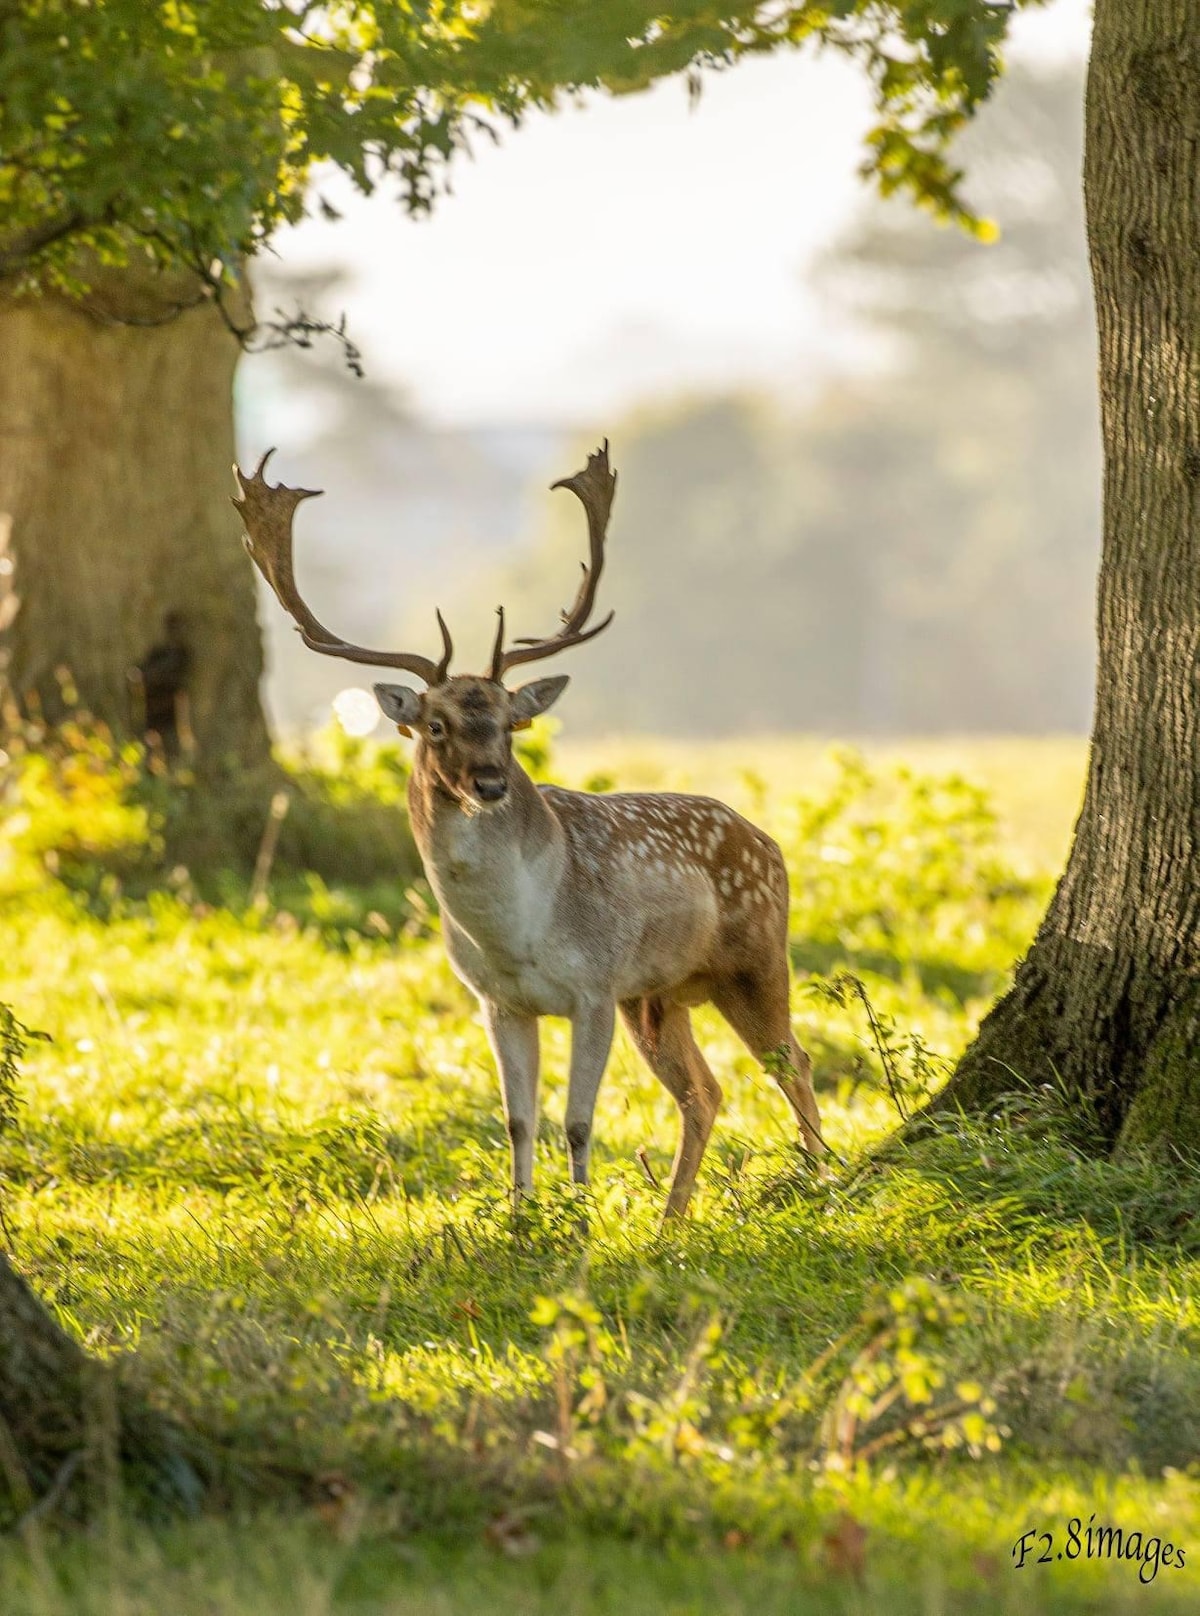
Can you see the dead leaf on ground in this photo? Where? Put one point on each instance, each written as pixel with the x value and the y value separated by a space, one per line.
pixel 846 1547
pixel 511 1535
pixel 986 1567
pixel 338 1504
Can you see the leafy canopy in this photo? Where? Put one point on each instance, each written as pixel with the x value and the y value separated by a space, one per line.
pixel 194 127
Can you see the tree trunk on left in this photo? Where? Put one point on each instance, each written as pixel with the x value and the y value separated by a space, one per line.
pixel 67 1418
pixel 116 440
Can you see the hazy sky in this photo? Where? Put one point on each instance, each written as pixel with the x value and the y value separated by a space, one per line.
pixel 622 251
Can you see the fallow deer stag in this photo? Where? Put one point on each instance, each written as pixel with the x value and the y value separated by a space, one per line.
pixel 566 903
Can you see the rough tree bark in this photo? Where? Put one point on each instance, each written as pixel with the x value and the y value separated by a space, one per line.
pixel 67 1418
pixel 1106 1004
pixel 116 441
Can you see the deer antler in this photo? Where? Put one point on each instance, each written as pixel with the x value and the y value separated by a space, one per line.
pixel 595 486
pixel 267 514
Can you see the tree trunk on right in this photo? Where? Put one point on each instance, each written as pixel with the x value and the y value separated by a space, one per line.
pixel 1106 1005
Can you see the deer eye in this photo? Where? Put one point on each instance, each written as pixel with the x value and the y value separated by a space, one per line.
pixel 435 729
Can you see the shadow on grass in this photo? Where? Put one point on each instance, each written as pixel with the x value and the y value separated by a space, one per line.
pixel 345 1255
pixel 221 1146
pixel 935 974
pixel 384 1378
pixel 269 1560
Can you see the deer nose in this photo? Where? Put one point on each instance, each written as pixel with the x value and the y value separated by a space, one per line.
pixel 490 787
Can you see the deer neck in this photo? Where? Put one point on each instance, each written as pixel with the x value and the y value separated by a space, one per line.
pixel 496 870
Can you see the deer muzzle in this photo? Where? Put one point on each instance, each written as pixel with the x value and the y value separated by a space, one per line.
pixel 490 785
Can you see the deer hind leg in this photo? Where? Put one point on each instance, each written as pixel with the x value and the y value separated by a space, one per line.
pixel 663 1035
pixel 756 1007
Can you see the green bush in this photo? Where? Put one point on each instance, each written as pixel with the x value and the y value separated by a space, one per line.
pixel 113 822
pixel 906 869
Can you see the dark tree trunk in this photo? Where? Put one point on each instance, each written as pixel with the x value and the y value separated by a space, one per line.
pixel 1107 1002
pixel 42 1376
pixel 66 1418
pixel 116 441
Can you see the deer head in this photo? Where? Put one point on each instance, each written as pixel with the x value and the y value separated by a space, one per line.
pixel 464 723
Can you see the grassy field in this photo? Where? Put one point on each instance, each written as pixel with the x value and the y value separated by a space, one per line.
pixel 263 1152
pixel 1034 784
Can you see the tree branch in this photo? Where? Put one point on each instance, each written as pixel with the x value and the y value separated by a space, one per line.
pixel 19 248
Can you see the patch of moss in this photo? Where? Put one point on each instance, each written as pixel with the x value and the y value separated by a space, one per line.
pixel 1165 1115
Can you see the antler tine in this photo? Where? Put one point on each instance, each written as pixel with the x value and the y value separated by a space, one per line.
pixel 267 514
pixel 443 667
pixel 496 670
pixel 595 487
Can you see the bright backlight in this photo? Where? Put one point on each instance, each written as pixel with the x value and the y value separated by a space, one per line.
pixel 356 710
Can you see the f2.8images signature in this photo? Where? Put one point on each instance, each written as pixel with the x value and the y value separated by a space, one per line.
pixel 1092 1542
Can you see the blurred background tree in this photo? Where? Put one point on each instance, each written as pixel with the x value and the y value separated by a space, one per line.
pixel 147 152
pixel 916 549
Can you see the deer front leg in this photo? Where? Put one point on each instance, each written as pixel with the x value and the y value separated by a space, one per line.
pixel 591 1040
pixel 514 1041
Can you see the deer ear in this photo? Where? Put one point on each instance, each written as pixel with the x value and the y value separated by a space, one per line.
pixel 534 698
pixel 401 705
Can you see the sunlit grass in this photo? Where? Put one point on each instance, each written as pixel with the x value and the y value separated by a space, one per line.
pixel 264 1150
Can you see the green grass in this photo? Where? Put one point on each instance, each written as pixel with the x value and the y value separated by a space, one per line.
pixel 1034 782
pixel 264 1152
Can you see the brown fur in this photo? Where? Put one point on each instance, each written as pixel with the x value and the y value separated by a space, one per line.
pixel 557 902
pixel 657 900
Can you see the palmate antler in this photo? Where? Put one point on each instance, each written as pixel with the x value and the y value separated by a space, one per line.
pixel 267 514
pixel 595 486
